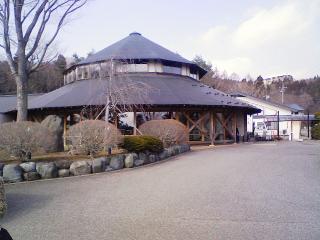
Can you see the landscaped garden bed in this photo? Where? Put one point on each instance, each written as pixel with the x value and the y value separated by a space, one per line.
pixel 90 142
pixel 30 171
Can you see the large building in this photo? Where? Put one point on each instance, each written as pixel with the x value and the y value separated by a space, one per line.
pixel 140 76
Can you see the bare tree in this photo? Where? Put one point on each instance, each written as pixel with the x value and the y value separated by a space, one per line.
pixel 24 25
pixel 91 136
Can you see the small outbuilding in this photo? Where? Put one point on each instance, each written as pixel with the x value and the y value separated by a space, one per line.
pixel 287 121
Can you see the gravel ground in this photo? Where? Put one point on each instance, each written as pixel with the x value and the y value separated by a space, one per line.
pixel 248 191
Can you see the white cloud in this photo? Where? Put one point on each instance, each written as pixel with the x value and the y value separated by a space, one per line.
pixel 281 40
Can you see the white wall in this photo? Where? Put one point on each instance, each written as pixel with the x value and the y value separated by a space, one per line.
pixel 269 109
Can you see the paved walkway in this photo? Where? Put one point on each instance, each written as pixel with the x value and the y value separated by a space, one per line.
pixel 250 191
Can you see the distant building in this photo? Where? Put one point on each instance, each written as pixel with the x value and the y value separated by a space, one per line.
pixel 290 116
pixel 268 81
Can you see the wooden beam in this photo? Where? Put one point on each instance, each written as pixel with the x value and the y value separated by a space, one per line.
pixel 134 123
pixel 224 122
pixel 195 124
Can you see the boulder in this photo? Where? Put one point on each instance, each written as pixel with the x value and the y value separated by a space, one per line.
pixel 109 169
pixel 184 147
pixel 129 160
pixel 47 170
pixel 164 154
pixel 117 162
pixel 12 173
pixel 1 169
pixel 64 173
pixel 28 167
pixel 152 158
pixel 63 164
pixel 80 168
pixel 31 176
pixel 170 151
pixel 108 159
pixel 99 164
pixel 138 162
pixel 55 125
pixel 144 157
pixel 176 149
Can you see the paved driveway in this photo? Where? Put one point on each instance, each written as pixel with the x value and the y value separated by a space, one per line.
pixel 250 191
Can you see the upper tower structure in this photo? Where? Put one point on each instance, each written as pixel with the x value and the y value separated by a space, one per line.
pixel 134 53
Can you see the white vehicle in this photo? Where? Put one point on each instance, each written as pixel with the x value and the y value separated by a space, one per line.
pixel 261 131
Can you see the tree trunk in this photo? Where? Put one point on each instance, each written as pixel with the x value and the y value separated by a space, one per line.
pixel 22 84
pixel 22 97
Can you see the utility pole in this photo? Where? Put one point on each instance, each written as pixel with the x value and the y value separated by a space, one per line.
pixel 278 125
pixel 282 90
pixel 308 124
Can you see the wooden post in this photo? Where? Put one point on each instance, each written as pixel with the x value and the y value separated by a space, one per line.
pixel 224 128
pixel 234 121
pixel 308 125
pixel 245 121
pixel 211 128
pixel 65 132
pixel 202 127
pixel 116 123
pixel 134 123
pixel 188 126
pixel 177 116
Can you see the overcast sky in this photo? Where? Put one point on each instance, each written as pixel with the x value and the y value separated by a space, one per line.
pixel 270 38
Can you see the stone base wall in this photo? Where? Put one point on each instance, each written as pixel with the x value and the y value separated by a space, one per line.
pixel 30 171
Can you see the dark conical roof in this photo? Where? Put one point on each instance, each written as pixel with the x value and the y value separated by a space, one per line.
pixel 135 47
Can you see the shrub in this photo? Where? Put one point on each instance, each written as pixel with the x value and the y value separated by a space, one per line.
pixel 91 136
pixel 3 204
pixel 142 143
pixel 22 139
pixel 169 131
pixel 315 131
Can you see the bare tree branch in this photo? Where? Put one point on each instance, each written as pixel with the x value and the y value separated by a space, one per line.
pixel 28 46
pixel 30 11
pixel 72 8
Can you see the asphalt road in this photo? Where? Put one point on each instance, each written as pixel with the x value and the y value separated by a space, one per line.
pixel 249 191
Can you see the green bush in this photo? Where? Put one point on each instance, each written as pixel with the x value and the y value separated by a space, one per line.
pixel 3 204
pixel 142 143
pixel 315 131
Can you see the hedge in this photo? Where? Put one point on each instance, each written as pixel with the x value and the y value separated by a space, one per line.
pixel 315 130
pixel 3 204
pixel 142 143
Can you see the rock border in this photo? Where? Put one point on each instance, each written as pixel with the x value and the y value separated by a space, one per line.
pixel 31 171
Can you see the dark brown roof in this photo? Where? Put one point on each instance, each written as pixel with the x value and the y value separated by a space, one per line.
pixel 9 102
pixel 163 90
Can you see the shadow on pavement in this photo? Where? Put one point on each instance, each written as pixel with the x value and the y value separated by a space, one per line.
pixel 20 204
